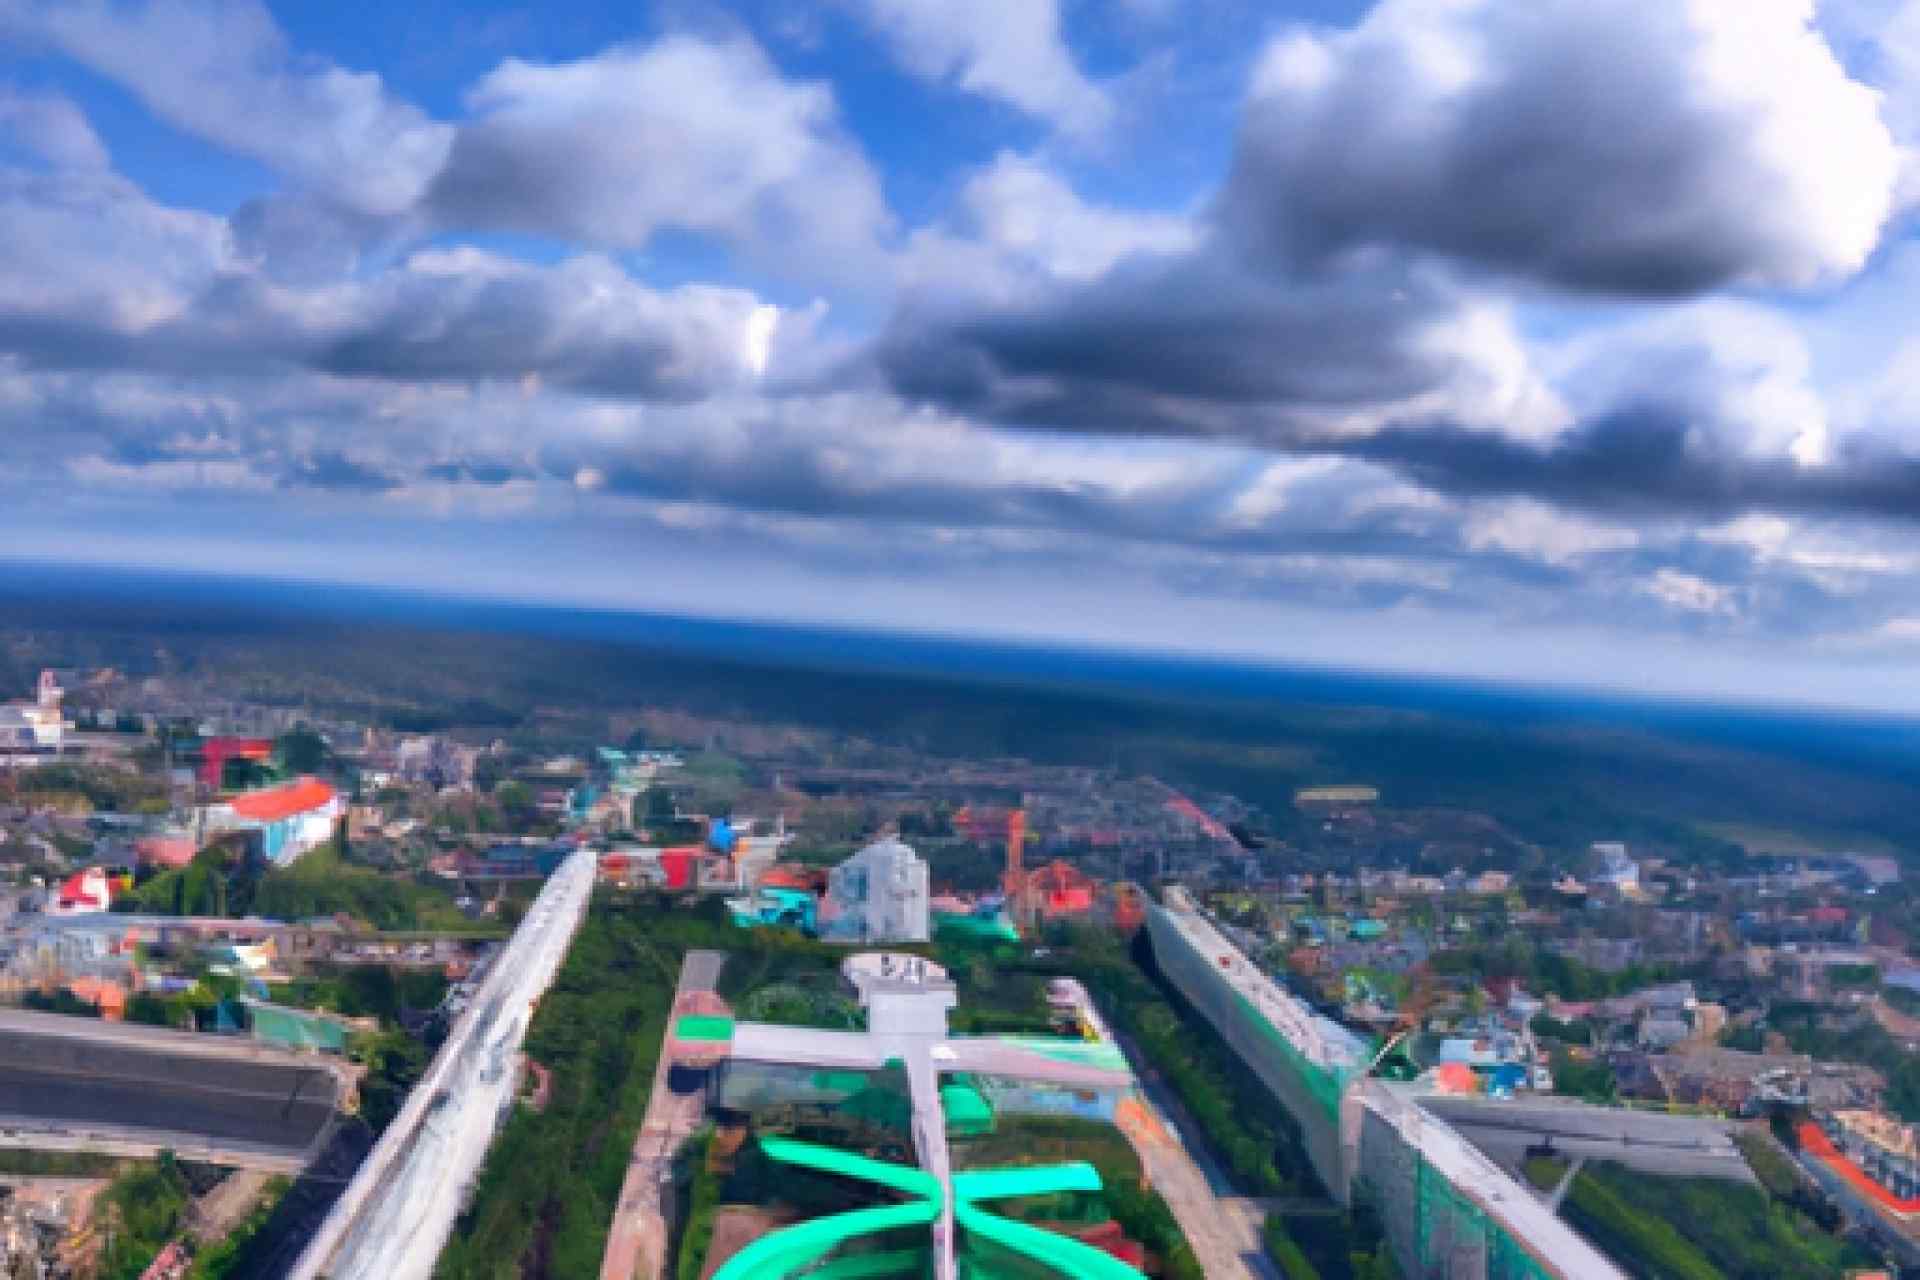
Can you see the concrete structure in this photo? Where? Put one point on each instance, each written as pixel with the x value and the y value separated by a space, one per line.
pixel 395 1216
pixel 76 1084
pixel 1451 1212
pixel 880 894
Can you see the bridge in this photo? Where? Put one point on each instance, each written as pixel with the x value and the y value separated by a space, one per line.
pixel 394 1217
pixel 1451 1213
pixel 79 1084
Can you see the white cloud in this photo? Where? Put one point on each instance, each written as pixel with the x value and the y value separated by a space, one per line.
pixel 685 133
pixel 1025 210
pixel 1689 593
pixel 1532 529
pixel 52 128
pixel 87 248
pixel 1012 51
pixel 222 69
pixel 1740 374
pixel 1016 220
pixel 1638 146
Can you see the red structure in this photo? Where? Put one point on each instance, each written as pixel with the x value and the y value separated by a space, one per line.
pixel 215 752
pixel 793 875
pixel 1060 889
pixel 678 865
pixel 1815 1142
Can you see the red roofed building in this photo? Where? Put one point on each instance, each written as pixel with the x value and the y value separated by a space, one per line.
pixel 215 752
pixel 289 819
pixel 84 893
pixel 169 849
pixel 1061 889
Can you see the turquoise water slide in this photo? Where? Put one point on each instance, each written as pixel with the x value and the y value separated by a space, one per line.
pixel 1068 1256
pixel 796 1250
pixel 792 1250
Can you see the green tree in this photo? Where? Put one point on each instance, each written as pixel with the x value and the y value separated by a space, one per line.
pixel 300 750
pixel 515 800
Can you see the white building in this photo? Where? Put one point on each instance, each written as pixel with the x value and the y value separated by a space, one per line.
pixel 39 725
pixel 1616 868
pixel 878 895
pixel 289 819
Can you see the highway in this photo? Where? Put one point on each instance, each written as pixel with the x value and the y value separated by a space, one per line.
pixel 78 1084
pixel 395 1216
pixel 637 1240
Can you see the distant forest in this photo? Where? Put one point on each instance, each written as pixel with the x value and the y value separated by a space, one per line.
pixel 1558 769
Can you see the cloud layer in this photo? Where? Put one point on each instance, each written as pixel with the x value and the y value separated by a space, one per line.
pixel 1519 312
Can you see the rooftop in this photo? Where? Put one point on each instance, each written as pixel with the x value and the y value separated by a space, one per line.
pixel 274 803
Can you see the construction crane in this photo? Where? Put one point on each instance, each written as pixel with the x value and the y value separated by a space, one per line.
pixel 1020 903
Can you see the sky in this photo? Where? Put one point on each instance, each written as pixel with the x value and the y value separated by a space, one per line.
pixel 1574 340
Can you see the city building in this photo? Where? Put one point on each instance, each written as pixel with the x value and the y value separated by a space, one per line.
pixel 216 752
pixel 880 894
pixel 1616 870
pixel 84 893
pixel 1881 1147
pixel 285 821
pixel 39 725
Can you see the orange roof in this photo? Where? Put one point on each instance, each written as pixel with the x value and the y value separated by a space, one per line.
pixel 275 803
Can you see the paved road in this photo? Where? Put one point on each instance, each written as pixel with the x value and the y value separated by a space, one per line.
pixel 1223 1229
pixel 637 1240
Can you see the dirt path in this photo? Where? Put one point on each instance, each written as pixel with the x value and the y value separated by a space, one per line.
pixel 219 1211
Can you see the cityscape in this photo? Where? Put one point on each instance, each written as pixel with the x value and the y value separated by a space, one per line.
pixel 960 640
pixel 288 990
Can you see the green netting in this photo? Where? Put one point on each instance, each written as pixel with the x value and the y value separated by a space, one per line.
pixel 296 1028
pixel 1325 1086
pixel 1508 1260
pixel 968 1113
pixel 1450 1227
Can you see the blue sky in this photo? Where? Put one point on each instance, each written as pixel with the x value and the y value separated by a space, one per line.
pixel 1565 341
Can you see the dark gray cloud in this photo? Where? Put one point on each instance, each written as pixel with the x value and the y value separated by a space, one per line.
pixel 1649 461
pixel 1192 343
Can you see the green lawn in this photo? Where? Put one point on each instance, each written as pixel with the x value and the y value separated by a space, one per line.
pixel 1701 1229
